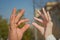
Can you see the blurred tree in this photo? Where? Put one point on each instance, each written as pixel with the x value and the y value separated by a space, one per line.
pixel 27 35
pixel 3 28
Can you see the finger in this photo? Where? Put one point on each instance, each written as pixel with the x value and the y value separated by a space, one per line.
pixel 49 17
pixel 40 28
pixel 26 26
pixel 12 18
pixel 49 29
pixel 45 14
pixel 40 20
pixel 19 15
pixel 22 21
pixel 40 14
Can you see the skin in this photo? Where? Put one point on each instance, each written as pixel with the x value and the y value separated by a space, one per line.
pixel 46 30
pixel 16 33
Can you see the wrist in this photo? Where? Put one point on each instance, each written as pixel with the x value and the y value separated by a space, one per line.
pixel 50 37
pixel 48 34
pixel 12 35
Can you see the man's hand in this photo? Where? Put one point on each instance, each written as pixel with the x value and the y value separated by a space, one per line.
pixel 16 33
pixel 48 24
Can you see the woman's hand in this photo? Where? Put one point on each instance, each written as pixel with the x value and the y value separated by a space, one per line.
pixel 48 24
pixel 16 33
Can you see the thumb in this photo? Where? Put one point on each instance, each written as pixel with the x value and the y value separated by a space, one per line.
pixel 26 26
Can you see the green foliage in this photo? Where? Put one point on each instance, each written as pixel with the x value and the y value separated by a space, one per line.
pixel 21 25
pixel 27 35
pixel 3 28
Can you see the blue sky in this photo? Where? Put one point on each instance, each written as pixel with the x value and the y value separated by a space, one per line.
pixel 6 7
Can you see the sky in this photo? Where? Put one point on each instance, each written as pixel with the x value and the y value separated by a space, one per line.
pixel 6 7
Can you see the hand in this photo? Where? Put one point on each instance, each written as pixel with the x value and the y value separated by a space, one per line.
pixel 16 33
pixel 48 24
